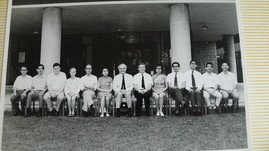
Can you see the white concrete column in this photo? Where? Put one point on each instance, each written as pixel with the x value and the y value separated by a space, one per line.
pixel 228 42
pixel 51 38
pixel 180 36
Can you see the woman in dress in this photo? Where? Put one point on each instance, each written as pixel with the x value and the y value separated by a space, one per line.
pixel 104 87
pixel 159 89
pixel 71 90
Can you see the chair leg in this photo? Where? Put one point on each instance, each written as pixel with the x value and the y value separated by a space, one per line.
pixel 165 106
pixel 98 107
pixel 63 107
pixel 170 106
pixel 151 107
pixel 44 109
pixel 80 107
pixel 34 106
pixel 76 107
pixel 25 110
pixel 134 105
pixel 113 106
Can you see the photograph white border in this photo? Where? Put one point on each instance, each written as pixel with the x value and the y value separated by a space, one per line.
pixel 7 35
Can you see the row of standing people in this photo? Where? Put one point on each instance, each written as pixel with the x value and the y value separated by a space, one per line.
pixel 142 85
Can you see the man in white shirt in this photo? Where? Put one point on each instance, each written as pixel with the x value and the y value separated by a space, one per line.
pixel 89 85
pixel 194 85
pixel 123 86
pixel 227 85
pixel 38 89
pixel 55 84
pixel 176 85
pixel 21 88
pixel 71 91
pixel 142 85
pixel 210 87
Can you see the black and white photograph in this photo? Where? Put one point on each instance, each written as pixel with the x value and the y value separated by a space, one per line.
pixel 124 75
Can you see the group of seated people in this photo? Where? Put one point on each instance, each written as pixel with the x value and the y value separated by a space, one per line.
pixel 56 87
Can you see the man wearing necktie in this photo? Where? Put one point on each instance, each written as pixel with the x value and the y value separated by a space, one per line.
pixel 176 85
pixel 194 84
pixel 142 84
pixel 123 86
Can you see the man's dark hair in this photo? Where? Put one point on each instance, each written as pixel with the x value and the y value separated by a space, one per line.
pixel 41 66
pixel 24 67
pixel 209 63
pixel 175 63
pixel 159 65
pixel 141 63
pixel 193 61
pixel 56 65
pixel 225 62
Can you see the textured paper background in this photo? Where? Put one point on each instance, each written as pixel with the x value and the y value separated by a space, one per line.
pixel 254 31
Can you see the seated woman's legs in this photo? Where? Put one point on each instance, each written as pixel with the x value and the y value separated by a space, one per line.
pixel 69 102
pixel 156 97
pixel 73 105
pixel 102 106
pixel 107 105
pixel 161 103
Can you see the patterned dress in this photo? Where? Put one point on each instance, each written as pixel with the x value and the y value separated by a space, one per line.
pixel 104 83
pixel 159 82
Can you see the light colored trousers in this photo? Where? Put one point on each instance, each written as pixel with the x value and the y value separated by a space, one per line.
pixel 87 99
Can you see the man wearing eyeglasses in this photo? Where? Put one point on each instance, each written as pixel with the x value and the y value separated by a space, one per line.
pixel 194 85
pixel 89 85
pixel 38 89
pixel 176 84
pixel 143 86
pixel 55 83
pixel 123 86
pixel 21 88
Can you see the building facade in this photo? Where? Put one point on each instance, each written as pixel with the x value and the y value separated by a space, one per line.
pixel 106 33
